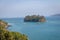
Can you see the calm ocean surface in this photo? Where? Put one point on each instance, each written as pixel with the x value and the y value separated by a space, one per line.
pixel 49 30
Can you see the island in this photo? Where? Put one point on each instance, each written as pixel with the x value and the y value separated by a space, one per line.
pixel 34 18
pixel 10 35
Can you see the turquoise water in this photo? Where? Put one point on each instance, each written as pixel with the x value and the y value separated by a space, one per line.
pixel 49 30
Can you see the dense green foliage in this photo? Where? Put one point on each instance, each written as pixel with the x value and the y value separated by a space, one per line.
pixel 34 18
pixel 8 35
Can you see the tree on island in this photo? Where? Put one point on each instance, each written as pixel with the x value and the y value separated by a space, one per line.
pixel 34 18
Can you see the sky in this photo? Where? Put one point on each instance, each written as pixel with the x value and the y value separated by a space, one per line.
pixel 21 8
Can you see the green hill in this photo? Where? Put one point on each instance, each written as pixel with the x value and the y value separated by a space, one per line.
pixel 9 35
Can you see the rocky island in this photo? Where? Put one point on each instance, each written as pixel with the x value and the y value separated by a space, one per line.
pixel 34 18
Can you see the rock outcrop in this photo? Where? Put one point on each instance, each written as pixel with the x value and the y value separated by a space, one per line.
pixel 34 18
pixel 3 24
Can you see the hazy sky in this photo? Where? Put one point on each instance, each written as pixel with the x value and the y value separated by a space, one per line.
pixel 21 8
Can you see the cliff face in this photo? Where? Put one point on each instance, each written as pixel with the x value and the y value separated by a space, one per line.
pixel 34 18
pixel 3 24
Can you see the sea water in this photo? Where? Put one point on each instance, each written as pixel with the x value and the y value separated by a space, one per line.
pixel 49 30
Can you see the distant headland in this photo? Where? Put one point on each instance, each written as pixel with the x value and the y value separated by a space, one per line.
pixel 34 18
pixel 56 15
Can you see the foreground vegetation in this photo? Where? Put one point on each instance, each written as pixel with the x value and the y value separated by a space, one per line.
pixel 8 35
pixel 34 18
